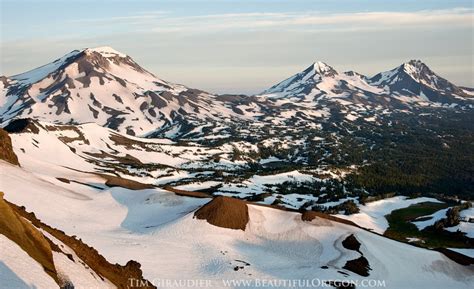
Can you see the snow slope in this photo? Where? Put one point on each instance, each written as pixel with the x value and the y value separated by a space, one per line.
pixel 49 263
pixel 415 82
pixel 372 215
pixel 465 227
pixel 157 229
pixel 19 271
pixel 109 88
pixel 431 219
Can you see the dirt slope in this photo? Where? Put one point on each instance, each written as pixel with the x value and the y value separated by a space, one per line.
pixel 225 212
pixel 15 228
pixel 117 274
pixel 6 149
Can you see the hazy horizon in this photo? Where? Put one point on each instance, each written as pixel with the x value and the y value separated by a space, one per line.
pixel 244 46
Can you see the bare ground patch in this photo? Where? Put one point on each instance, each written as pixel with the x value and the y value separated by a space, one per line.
pixel 225 212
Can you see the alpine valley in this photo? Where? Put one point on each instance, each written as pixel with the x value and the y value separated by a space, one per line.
pixel 115 178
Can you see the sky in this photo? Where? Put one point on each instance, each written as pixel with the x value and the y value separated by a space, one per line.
pixel 237 46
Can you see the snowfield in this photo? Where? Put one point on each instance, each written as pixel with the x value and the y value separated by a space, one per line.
pixel 432 219
pixel 19 271
pixel 123 160
pixel 157 229
pixel 372 215
pixel 466 227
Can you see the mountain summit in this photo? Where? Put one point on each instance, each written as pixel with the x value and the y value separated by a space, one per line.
pixel 106 51
pixel 302 82
pixel 415 81
pixel 107 87
pixel 321 81
pixel 411 82
pixel 323 69
pixel 104 86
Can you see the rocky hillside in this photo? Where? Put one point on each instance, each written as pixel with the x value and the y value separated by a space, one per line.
pixel 65 260
pixel 107 87
pixel 6 150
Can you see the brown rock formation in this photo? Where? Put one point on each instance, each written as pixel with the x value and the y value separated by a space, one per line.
pixel 25 235
pixel 225 212
pixel 6 149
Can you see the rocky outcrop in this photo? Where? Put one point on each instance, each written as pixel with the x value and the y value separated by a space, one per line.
pixel 225 212
pixel 22 125
pixel 308 216
pixel 360 265
pixel 128 276
pixel 193 194
pixel 6 149
pixel 25 235
pixel 113 181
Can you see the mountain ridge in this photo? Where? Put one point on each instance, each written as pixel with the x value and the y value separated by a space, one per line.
pixel 109 88
pixel 114 90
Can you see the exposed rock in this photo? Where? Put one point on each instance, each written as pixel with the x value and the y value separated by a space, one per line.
pixel 6 149
pixel 456 257
pixel 117 274
pixel 25 235
pixel 22 125
pixel 225 212
pixel 187 193
pixel 113 181
pixel 308 216
pixel 64 180
pixel 351 243
pixel 359 266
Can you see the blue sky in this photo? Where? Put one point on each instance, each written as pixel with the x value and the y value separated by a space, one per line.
pixel 244 46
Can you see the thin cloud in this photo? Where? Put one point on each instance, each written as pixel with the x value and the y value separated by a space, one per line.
pixel 130 18
pixel 350 21
pixel 166 21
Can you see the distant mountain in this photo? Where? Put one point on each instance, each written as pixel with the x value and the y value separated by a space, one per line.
pixel 414 81
pixel 305 179
pixel 107 87
pixel 322 82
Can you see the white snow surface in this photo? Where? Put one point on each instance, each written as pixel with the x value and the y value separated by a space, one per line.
pixel 107 51
pixel 257 183
pixel 467 252
pixel 465 227
pixel 372 215
pixel 157 229
pixel 41 72
pixel 195 186
pixel 19 271
pixel 433 218
pixel 466 224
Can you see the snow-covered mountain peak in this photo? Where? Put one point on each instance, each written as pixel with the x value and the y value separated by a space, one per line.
pixel 414 81
pixel 414 63
pixel 303 81
pixel 416 69
pixel 105 51
pixel 323 69
pixel 107 87
pixel 84 64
